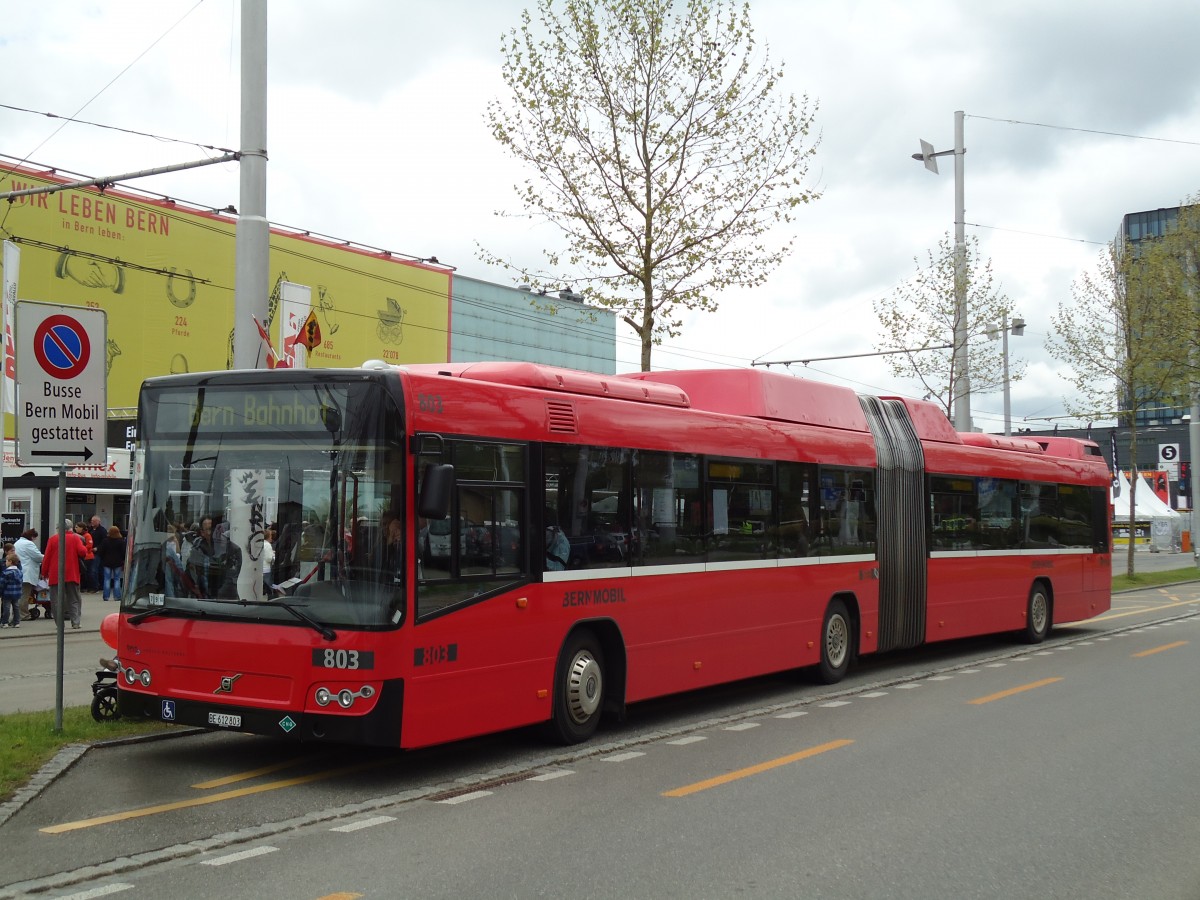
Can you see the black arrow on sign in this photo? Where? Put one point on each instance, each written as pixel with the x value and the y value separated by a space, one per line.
pixel 86 453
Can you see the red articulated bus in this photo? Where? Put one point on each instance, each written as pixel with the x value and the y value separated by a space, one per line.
pixel 404 556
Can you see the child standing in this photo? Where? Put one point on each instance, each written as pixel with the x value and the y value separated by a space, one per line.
pixel 10 606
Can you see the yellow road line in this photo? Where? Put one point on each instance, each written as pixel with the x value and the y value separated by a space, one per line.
pixel 342 895
pixel 979 701
pixel 255 773
pixel 1108 617
pixel 754 770
pixel 202 801
pixel 1160 649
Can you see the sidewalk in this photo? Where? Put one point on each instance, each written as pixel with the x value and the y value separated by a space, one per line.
pixel 1146 561
pixel 94 611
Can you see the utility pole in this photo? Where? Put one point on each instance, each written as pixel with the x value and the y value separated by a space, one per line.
pixel 962 392
pixel 252 282
pixel 962 380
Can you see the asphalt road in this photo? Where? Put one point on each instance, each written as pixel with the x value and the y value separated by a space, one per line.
pixel 28 655
pixel 977 768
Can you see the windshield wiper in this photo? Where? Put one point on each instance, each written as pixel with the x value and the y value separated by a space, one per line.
pixel 165 611
pixel 320 627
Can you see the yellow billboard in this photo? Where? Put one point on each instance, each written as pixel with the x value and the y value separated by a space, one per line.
pixel 164 274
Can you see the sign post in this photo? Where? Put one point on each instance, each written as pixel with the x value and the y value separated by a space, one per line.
pixel 62 412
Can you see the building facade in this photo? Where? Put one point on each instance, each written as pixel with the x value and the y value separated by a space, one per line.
pixel 163 272
pixel 1135 228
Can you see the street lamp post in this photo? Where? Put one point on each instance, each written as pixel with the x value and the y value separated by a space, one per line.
pixel 1018 328
pixel 962 380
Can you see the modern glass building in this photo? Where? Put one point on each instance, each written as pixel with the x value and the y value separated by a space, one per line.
pixel 1137 227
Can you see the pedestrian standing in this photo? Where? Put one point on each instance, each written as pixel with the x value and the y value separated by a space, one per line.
pixel 173 561
pixel 268 562
pixel 112 562
pixel 74 557
pixel 91 579
pixel 31 566
pixel 89 546
pixel 10 593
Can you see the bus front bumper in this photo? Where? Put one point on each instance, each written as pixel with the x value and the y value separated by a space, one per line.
pixel 380 727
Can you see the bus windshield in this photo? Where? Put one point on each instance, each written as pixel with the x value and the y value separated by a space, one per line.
pixel 277 500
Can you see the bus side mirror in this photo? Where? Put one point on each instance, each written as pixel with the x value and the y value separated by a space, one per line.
pixel 437 483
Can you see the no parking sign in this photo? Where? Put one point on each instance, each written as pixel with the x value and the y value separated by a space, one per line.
pixel 62 391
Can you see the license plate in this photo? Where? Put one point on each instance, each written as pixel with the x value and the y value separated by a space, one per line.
pixel 225 720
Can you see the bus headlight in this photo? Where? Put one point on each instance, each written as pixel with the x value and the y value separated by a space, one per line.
pixel 345 697
pixel 133 676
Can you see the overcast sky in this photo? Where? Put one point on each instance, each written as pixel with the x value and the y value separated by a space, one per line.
pixel 376 134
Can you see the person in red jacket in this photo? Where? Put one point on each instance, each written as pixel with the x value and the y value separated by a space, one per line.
pixel 73 557
pixel 86 582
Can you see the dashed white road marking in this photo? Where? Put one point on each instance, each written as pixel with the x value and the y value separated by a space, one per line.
pixel 907 687
pixel 103 891
pixel 684 741
pixel 741 726
pixel 624 757
pixel 464 798
pixel 794 714
pixel 550 776
pixel 873 694
pixel 365 823
pixel 834 704
pixel 939 677
pixel 238 857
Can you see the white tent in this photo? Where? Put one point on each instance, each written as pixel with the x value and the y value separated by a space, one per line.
pixel 1166 525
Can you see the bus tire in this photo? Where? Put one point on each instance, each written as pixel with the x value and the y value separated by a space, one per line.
pixel 1038 614
pixel 578 689
pixel 836 637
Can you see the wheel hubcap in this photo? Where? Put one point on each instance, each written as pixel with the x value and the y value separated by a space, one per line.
pixel 585 687
pixel 837 640
pixel 1038 612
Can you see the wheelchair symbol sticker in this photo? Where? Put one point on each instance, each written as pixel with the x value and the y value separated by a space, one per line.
pixel 168 710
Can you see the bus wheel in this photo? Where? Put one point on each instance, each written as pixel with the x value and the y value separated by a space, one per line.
pixel 1037 615
pixel 578 689
pixel 835 643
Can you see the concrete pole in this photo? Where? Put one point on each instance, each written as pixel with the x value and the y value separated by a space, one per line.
pixel 962 379
pixel 252 283
pixel 1007 397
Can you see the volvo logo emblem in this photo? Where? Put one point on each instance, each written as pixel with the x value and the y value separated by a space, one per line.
pixel 227 684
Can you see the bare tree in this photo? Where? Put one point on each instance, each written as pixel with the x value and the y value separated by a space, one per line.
pixel 660 145
pixel 1127 337
pixel 920 326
